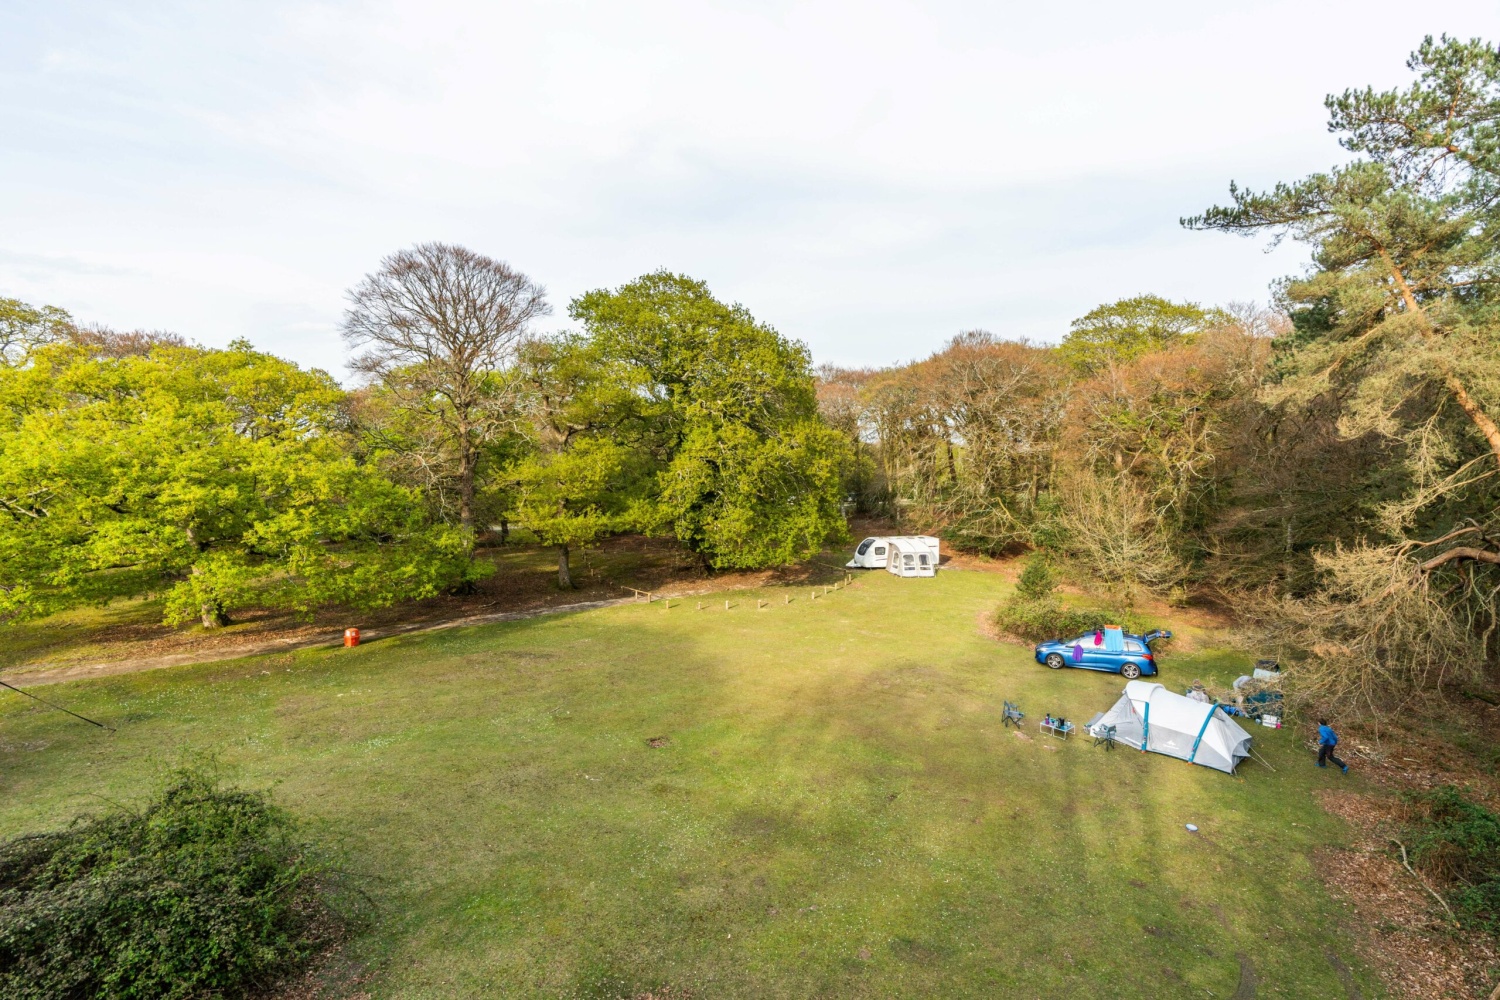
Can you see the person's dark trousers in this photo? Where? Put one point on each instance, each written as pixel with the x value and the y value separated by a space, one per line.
pixel 1326 753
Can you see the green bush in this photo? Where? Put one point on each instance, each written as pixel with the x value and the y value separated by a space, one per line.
pixel 206 892
pixel 1037 579
pixel 1458 841
pixel 1048 618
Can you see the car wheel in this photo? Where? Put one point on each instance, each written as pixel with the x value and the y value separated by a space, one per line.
pixel 1055 661
pixel 1130 671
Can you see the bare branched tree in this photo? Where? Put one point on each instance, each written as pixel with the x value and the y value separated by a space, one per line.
pixel 440 327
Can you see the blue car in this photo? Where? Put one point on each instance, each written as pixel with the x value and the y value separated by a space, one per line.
pixel 1111 650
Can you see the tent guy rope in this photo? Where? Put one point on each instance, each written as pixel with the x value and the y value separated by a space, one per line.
pixel 57 707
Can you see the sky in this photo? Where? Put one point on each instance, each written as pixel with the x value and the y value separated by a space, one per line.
pixel 870 178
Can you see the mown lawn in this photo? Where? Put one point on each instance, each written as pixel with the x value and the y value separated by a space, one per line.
pixel 836 811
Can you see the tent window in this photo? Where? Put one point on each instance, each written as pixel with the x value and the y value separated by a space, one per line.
pixel 864 546
pixel 907 560
pixel 922 559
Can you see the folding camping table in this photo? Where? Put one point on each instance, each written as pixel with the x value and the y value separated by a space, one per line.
pixel 1062 732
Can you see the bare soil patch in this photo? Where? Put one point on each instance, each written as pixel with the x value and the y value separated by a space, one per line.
pixel 1400 929
pixel 524 584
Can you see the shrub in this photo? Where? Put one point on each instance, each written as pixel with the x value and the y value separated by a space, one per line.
pixel 1458 841
pixel 1049 618
pixel 205 892
pixel 1037 579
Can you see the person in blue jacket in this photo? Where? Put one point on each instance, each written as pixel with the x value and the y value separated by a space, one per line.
pixel 1327 740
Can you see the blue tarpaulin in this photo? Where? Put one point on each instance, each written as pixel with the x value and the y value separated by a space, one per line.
pixel 1114 639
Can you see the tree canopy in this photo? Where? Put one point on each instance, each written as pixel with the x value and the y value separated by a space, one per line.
pixel 221 478
pixel 747 474
pixel 1123 331
pixel 441 327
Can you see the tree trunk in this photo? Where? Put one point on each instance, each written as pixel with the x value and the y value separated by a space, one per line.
pixel 1466 402
pixel 564 575
pixel 504 530
pixel 468 458
pixel 1477 415
pixel 211 614
pixel 466 484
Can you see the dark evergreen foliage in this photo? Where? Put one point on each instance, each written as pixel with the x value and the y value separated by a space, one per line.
pixel 207 891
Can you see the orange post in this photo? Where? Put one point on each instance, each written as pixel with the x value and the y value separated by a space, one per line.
pixel 351 637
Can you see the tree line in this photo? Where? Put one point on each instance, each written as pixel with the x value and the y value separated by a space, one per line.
pixel 1327 465
pixel 137 463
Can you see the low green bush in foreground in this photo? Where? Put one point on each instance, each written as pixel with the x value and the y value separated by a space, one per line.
pixel 1039 619
pixel 1458 840
pixel 206 891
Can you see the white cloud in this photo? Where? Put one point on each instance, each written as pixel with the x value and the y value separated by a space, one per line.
pixel 869 177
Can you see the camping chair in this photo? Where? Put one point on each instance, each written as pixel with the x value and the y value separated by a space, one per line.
pixel 1012 713
pixel 1105 736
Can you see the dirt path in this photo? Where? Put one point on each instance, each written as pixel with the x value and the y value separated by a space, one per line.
pixel 109 668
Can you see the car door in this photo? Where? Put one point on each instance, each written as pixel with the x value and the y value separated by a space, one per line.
pixel 1097 657
pixel 1083 644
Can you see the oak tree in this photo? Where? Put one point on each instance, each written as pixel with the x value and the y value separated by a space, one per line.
pixel 439 327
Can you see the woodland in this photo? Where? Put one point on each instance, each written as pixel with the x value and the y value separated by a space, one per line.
pixel 1326 465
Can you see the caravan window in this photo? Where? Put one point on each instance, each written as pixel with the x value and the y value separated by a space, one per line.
pixel 880 550
pixel 864 546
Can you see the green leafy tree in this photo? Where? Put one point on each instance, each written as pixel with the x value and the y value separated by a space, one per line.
pixel 222 478
pixel 1400 304
pixel 1124 330
pixel 724 406
pixel 1037 580
pixel 1396 328
pixel 24 328
pixel 588 471
pixel 570 497
pixel 745 500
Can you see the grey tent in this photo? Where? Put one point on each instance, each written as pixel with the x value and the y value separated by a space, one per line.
pixel 1149 717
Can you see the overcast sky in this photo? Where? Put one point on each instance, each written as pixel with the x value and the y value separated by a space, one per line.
pixel 869 177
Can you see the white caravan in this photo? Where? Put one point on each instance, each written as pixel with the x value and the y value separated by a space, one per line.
pixel 904 555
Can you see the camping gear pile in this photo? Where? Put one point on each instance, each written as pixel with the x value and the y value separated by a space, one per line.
pixel 1257 696
pixel 1149 717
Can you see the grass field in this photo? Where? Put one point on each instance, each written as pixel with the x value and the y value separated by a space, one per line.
pixel 836 810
